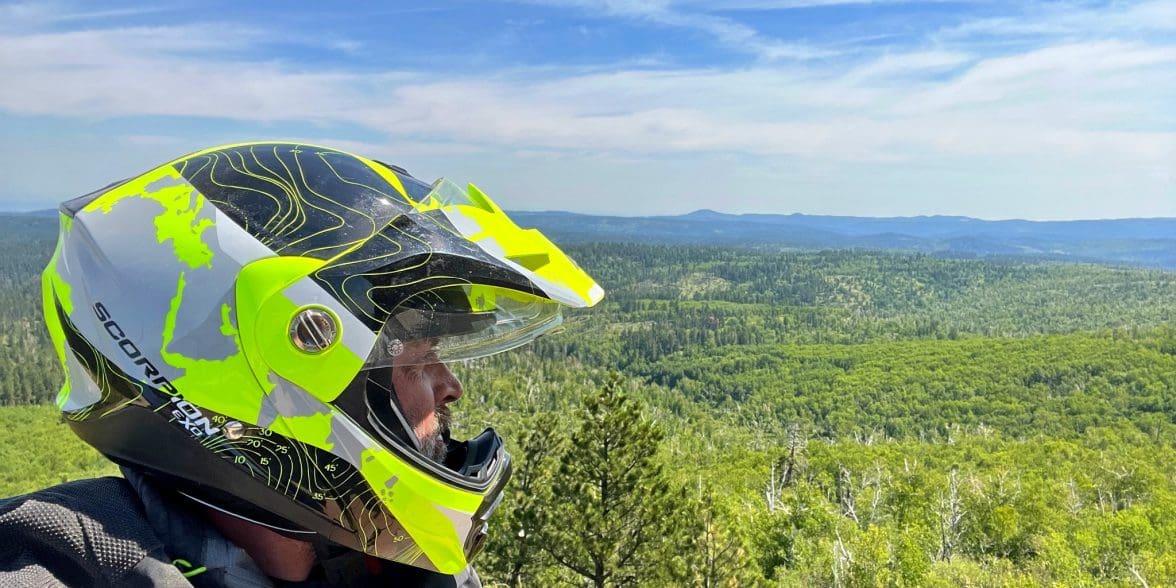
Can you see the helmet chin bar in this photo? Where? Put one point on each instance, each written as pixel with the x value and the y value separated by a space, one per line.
pixel 474 457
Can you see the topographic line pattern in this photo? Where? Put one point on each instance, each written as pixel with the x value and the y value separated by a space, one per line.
pixel 316 478
pixel 292 197
pixel 382 249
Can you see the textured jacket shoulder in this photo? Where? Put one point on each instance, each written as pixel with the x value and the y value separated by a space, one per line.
pixel 84 533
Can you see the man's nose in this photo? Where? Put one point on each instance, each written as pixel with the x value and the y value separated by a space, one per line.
pixel 446 387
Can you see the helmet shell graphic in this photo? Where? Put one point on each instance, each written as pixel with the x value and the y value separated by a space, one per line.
pixel 177 302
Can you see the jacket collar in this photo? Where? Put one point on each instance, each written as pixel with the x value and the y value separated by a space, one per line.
pixel 191 538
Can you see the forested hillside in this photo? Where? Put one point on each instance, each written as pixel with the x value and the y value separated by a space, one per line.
pixel 29 371
pixel 864 419
pixel 799 418
pixel 1137 241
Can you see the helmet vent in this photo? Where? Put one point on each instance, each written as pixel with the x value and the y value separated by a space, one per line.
pixel 313 330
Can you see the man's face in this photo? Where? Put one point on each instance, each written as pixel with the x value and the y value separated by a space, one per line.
pixel 425 387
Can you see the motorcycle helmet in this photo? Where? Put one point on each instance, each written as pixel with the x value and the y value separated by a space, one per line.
pixel 230 322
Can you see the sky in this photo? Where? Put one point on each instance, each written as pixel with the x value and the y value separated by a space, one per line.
pixel 988 109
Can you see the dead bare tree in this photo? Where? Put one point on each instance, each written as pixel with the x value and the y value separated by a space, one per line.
pixel 1138 576
pixel 772 493
pixel 869 487
pixel 842 561
pixel 845 494
pixel 1120 494
pixel 950 511
pixel 1074 500
pixel 785 470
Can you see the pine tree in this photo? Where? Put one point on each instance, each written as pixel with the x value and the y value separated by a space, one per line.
pixel 616 519
pixel 515 557
pixel 721 557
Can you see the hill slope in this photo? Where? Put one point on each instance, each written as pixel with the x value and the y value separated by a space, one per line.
pixel 1148 242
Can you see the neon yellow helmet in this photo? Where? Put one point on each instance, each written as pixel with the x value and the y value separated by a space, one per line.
pixel 228 323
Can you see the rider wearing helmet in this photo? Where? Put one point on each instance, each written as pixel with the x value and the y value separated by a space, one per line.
pixel 257 334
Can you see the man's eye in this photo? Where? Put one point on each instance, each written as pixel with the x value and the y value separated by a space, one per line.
pixel 426 357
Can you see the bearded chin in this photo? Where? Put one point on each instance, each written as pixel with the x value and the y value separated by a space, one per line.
pixel 434 442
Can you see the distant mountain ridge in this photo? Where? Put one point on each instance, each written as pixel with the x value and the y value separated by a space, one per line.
pixel 1149 242
pixel 1143 241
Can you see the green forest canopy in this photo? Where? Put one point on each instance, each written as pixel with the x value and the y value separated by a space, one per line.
pixel 941 421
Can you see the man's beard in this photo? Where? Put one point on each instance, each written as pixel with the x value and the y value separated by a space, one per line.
pixel 433 442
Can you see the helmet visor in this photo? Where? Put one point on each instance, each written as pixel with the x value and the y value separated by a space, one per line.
pixel 461 322
pixel 438 272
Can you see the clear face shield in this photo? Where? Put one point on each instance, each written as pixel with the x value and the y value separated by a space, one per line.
pixel 407 370
pixel 438 294
pixel 495 321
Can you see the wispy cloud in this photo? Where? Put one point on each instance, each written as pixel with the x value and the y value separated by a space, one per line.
pixel 23 15
pixel 1043 22
pixel 1096 103
pixel 763 5
pixel 728 32
pixel 883 108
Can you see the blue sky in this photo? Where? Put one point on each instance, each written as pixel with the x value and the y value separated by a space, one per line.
pixel 989 109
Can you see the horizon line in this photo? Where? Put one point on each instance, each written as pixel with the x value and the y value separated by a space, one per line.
pixel 46 211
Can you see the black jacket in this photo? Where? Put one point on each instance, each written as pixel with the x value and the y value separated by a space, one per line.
pixel 125 532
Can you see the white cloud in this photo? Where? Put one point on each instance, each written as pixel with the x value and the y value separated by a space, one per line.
pixel 900 66
pixel 1097 110
pixel 727 32
pixel 731 5
pixel 1067 20
pixel 120 46
pixel 869 112
pixel 28 15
